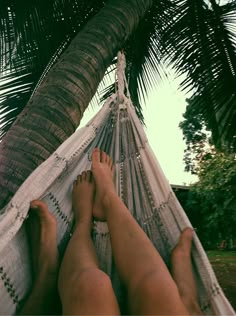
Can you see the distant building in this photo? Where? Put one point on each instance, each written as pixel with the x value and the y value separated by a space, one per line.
pixel 176 187
pixel 182 192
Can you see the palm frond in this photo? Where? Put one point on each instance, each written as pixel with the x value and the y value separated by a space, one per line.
pixel 201 44
pixel 33 35
pixel 15 92
pixel 143 56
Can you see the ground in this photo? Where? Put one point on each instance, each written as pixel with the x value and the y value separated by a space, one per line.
pixel 224 265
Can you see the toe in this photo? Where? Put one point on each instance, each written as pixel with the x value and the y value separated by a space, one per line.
pixel 183 247
pixel 96 155
pixel 38 204
pixel 79 178
pixel 89 176
pixel 104 157
pixel 113 170
pixel 110 162
pixel 84 176
pixel 40 208
pixel 186 236
pixel 74 189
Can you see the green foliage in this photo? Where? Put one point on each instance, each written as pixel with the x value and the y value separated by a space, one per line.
pixel 33 36
pixel 213 198
pixel 196 135
pixel 204 42
pixel 211 202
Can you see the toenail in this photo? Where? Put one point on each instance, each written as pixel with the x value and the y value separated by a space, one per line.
pixel 34 207
pixel 89 156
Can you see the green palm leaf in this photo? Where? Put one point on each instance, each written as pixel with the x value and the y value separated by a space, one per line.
pixel 201 43
pixel 33 35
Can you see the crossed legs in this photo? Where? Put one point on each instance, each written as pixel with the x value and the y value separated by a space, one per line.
pixel 84 289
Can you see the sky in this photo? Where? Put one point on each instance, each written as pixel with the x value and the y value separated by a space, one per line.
pixel 162 114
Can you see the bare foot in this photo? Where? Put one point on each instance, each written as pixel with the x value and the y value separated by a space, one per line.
pixel 41 227
pixel 83 197
pixel 102 168
pixel 42 231
pixel 181 268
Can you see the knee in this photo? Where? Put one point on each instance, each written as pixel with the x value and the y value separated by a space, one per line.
pixel 91 293
pixel 94 280
pixel 91 283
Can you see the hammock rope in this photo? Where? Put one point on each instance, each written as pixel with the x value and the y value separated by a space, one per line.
pixel 141 184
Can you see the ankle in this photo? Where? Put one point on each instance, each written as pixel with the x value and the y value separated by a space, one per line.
pixel 83 226
pixel 47 280
pixel 106 199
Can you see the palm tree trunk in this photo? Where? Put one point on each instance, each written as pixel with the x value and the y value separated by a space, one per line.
pixel 57 107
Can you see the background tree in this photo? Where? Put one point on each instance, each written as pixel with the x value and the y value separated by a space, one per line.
pixel 216 194
pixel 197 136
pixel 211 201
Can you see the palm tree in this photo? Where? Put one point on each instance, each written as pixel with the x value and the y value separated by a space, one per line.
pixel 83 37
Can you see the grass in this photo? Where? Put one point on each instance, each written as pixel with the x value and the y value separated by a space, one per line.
pixel 221 254
pixel 224 266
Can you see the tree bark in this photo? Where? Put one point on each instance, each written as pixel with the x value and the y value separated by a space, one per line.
pixel 57 107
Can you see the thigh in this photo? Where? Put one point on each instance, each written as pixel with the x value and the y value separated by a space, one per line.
pixel 91 294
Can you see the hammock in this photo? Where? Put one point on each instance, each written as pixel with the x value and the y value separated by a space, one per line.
pixel 140 183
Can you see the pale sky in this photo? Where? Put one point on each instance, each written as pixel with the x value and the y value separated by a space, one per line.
pixel 162 114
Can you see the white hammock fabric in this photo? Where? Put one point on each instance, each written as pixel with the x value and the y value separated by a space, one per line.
pixel 141 184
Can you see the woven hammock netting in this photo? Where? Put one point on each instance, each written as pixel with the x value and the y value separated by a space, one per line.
pixel 140 183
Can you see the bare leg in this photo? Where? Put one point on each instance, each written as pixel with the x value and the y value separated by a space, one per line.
pixel 42 230
pixel 181 269
pixel 84 289
pixel 151 289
